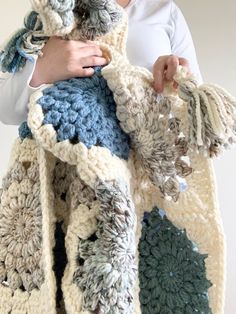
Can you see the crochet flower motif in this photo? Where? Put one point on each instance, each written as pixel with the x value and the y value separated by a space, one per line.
pixel 84 110
pixel 96 18
pixel 172 272
pixel 21 228
pixel 106 269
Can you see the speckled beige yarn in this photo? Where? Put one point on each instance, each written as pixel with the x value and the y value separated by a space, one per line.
pixel 21 228
pixel 21 236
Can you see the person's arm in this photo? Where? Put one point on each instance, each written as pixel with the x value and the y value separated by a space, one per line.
pixel 76 59
pixel 15 92
pixel 181 41
pixel 182 52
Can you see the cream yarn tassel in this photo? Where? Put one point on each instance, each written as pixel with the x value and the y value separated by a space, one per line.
pixel 211 113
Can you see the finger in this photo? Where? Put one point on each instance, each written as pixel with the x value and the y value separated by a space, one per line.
pixel 172 65
pixel 55 37
pixel 91 42
pixel 90 51
pixel 185 63
pixel 93 61
pixel 82 44
pixel 73 44
pixel 175 85
pixel 158 73
pixel 85 72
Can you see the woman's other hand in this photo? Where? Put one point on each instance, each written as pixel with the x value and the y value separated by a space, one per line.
pixel 64 59
pixel 164 70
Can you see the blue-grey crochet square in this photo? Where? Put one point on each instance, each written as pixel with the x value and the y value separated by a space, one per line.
pixel 84 110
pixel 172 272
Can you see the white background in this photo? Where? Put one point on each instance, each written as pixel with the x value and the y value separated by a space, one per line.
pixel 212 24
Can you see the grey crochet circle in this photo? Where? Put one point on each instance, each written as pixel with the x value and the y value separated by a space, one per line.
pixel 96 17
pixel 21 229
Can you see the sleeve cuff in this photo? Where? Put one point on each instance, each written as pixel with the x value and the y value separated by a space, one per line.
pixel 30 70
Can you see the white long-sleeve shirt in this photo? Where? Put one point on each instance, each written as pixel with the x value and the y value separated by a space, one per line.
pixel 156 28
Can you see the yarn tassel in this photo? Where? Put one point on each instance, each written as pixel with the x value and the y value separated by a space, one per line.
pixel 22 43
pixel 211 114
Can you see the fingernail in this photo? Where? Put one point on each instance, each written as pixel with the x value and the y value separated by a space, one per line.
pixel 175 85
pixel 158 88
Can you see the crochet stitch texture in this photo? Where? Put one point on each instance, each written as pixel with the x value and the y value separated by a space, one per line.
pixel 80 225
pixel 165 253
pixel 84 110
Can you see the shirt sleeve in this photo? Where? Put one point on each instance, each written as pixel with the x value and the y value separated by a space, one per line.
pixel 181 41
pixel 15 92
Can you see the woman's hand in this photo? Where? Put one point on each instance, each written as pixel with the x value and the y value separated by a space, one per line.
pixel 64 59
pixel 164 70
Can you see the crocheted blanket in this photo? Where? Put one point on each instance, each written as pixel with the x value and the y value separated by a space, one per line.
pixel 109 202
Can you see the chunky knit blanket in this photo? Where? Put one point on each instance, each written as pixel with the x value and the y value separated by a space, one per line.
pixel 109 202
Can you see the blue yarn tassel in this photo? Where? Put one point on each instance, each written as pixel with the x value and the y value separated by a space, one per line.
pixel 13 57
pixel 24 131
